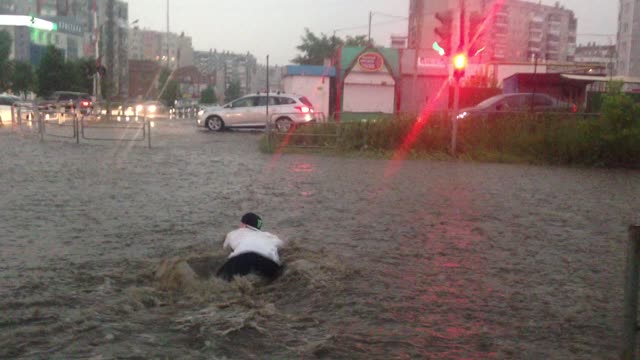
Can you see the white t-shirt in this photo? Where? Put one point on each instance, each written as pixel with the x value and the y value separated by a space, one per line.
pixel 246 240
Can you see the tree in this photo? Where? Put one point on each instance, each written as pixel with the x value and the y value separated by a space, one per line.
pixel 208 96
pixel 233 92
pixel 5 51
pixel 51 72
pixel 357 41
pixel 171 93
pixel 76 78
pixel 23 79
pixel 317 48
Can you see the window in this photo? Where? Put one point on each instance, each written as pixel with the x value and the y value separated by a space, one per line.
pixel 244 102
pixel 286 101
pixel 6 101
pixel 262 101
pixel 541 100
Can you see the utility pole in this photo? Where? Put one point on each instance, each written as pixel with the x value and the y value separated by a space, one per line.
pixel 418 23
pixel 168 58
pixel 370 20
pixel 96 34
pixel 456 91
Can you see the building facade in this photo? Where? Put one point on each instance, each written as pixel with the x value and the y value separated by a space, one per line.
pixel 600 56
pixel 513 30
pixel 70 35
pixel 170 50
pixel 628 51
pixel 227 67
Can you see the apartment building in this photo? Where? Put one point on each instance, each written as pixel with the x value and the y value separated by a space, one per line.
pixel 508 31
pixel 628 52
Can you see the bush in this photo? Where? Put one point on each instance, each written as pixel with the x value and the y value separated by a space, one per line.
pixel 611 139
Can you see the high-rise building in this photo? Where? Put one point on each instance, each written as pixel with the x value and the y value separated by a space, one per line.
pixel 113 22
pixel 152 45
pixel 227 67
pixel 628 63
pixel 511 30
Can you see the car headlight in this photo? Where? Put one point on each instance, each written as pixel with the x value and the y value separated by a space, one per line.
pixel 201 112
pixel 139 108
pixel 152 108
pixel 462 115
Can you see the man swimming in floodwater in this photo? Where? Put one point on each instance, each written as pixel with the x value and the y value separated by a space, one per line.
pixel 253 251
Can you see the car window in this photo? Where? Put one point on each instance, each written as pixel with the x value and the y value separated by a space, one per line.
pixel 490 101
pixel 262 101
pixel 67 97
pixel 511 103
pixel 6 101
pixel 286 101
pixel 541 100
pixel 306 101
pixel 244 102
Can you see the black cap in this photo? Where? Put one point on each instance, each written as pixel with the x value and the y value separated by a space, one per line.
pixel 252 220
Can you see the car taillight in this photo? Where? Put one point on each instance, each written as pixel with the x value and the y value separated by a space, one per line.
pixel 574 108
pixel 304 109
pixel 85 103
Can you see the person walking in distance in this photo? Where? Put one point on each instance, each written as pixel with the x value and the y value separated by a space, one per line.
pixel 253 251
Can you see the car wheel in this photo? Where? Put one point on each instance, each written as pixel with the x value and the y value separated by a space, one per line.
pixel 284 124
pixel 215 123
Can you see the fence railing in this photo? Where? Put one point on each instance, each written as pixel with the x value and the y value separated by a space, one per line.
pixel 630 327
pixel 27 118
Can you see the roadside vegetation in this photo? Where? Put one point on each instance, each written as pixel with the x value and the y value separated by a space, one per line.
pixel 611 139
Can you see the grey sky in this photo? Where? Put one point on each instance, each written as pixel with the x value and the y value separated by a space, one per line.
pixel 274 26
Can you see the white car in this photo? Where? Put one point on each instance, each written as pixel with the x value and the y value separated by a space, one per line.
pixel 6 102
pixel 285 112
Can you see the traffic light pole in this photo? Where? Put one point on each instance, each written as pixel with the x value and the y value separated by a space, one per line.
pixel 454 120
pixel 456 91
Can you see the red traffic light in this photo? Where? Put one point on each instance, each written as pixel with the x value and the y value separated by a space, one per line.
pixel 460 61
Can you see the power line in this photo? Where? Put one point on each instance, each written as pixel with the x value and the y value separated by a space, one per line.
pixel 390 16
pixel 366 26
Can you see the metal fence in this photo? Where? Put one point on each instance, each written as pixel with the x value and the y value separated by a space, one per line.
pixel 58 122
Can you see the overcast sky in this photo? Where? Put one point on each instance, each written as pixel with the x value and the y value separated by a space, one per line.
pixel 274 26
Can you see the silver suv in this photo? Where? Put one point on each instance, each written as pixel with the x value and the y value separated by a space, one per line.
pixel 285 112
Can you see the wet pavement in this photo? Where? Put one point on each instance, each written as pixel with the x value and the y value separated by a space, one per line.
pixel 437 260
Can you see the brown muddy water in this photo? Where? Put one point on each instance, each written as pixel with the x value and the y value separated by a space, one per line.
pixel 436 261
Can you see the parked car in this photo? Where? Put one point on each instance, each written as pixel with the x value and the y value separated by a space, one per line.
pixel 285 110
pixel 518 102
pixel 68 102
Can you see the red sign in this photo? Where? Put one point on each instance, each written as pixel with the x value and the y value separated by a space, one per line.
pixel 371 62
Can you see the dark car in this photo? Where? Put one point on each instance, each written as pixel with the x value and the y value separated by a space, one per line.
pixel 515 103
pixel 68 102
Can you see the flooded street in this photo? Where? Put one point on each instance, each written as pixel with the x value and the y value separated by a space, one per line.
pixel 434 260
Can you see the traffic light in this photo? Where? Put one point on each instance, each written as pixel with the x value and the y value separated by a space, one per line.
pixel 444 32
pixel 460 61
pixel 476 30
